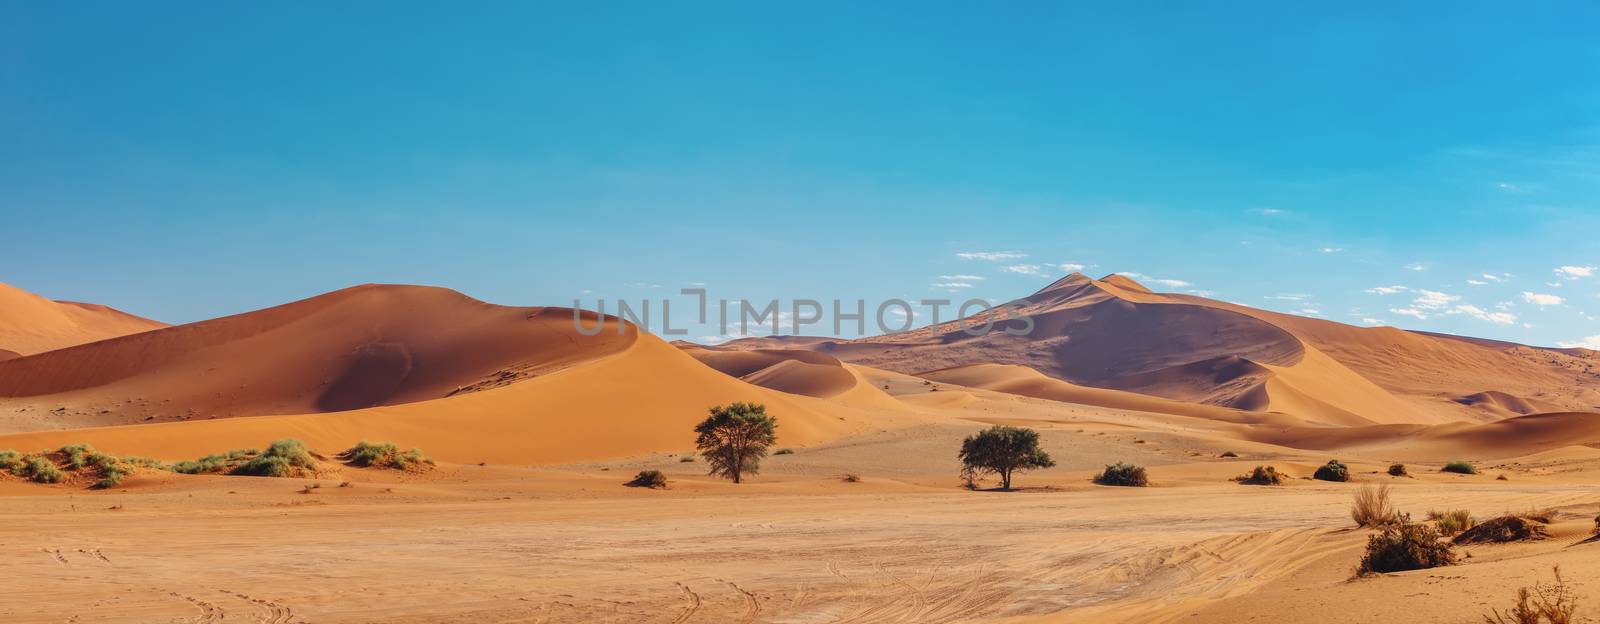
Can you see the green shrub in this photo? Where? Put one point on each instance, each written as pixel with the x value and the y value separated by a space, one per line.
pixel 1262 475
pixel 223 462
pixel 11 461
pixel 652 479
pixel 1460 467
pixel 384 455
pixel 1397 470
pixel 1405 546
pixel 282 458
pixel 1452 521
pixel 41 470
pixel 1332 471
pixel 1123 474
pixel 76 456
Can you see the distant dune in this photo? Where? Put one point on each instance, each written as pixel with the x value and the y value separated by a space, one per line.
pixel 31 324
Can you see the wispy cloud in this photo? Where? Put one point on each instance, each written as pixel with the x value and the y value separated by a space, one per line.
pixel 1388 290
pixel 1159 281
pixel 1542 299
pixel 1417 266
pixel 1411 312
pixel 1026 269
pixel 1289 297
pixel 951 285
pixel 991 256
pixel 1270 212
pixel 1071 266
pixel 962 278
pixel 1332 250
pixel 1502 318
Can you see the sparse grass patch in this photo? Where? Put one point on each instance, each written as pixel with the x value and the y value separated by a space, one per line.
pixel 850 477
pixel 10 461
pixel 1397 470
pixel 1553 603
pixel 1508 528
pixel 1123 474
pixel 1372 507
pixel 385 455
pixel 1451 522
pixel 652 479
pixel 40 469
pixel 1460 467
pixel 283 458
pixel 1402 546
pixel 222 462
pixel 1334 470
pixel 1262 475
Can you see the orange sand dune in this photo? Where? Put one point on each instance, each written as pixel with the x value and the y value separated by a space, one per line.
pixel 354 348
pixel 796 372
pixel 1021 380
pixel 1504 405
pixel 31 324
pixel 642 396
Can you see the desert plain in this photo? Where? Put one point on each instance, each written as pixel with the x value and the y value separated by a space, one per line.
pixel 860 516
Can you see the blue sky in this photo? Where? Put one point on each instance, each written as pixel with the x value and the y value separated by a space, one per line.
pixel 1432 166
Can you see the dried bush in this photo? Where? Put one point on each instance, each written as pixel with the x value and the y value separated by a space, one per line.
pixel 1404 545
pixel 652 479
pixel 1262 475
pixel 1509 528
pixel 1123 474
pixel 1334 470
pixel 1372 507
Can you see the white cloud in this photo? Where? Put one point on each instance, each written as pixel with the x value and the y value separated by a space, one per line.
pixel 1417 266
pixel 1502 318
pixel 951 285
pixel 1071 266
pixel 1433 300
pixel 1308 312
pixel 1491 277
pixel 1371 321
pixel 1289 297
pixel 1477 282
pixel 1387 290
pixel 1025 269
pixel 961 278
pixel 1541 299
pixel 1174 283
pixel 991 256
pixel 1592 342
pixel 1575 272
pixel 1412 312
pixel 1271 212
pixel 1332 249
pixel 1202 293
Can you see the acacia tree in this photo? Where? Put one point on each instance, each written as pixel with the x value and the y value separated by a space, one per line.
pixel 733 439
pixel 1003 451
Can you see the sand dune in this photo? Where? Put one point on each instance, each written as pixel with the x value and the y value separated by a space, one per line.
pixel 355 348
pixel 31 324
pixel 1505 405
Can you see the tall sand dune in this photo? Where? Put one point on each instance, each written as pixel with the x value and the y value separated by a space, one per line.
pixel 31 324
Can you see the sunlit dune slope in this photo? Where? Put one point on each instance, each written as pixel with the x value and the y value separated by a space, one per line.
pixel 31 324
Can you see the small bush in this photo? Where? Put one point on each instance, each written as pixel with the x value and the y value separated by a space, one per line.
pixel 850 477
pixel 384 455
pixel 76 456
pixel 1452 521
pixel 1504 529
pixel 1397 470
pixel 652 479
pixel 224 462
pixel 1334 470
pixel 40 469
pixel 686 460
pixel 1403 546
pixel 1123 474
pixel 1229 454
pixel 784 451
pixel 1554 603
pixel 10 461
pixel 1460 467
pixel 1372 507
pixel 283 458
pixel 1262 475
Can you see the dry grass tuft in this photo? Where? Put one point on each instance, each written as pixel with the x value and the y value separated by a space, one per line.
pixel 1372 507
pixel 1262 475
pixel 1402 546
pixel 1452 521
pixel 1548 603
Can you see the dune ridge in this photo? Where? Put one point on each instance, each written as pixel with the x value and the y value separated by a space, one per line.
pixel 32 324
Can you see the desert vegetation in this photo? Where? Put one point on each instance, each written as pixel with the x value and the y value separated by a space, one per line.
pixel 283 458
pixel 1262 475
pixel 1404 545
pixel 1372 507
pixel 1001 451
pixel 1460 467
pixel 1397 470
pixel 1507 528
pixel 1334 470
pixel 1544 603
pixel 1123 474
pixel 734 439
pixel 650 479
pixel 73 463
pixel 1451 522
pixel 385 455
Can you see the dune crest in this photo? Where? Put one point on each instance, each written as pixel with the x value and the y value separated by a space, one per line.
pixel 31 324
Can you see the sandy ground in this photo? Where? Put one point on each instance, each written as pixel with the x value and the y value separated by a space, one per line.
pixel 798 544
